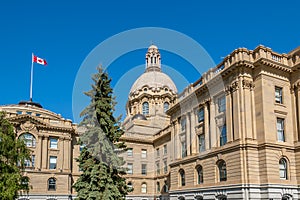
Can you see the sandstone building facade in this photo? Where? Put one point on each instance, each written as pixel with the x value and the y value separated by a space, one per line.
pixel 233 134
pixel 52 141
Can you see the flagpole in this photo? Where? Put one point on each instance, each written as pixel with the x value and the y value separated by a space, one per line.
pixel 31 78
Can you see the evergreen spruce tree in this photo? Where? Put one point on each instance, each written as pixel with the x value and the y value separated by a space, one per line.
pixel 102 171
pixel 13 153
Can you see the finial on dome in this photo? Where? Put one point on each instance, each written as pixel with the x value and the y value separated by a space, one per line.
pixel 153 62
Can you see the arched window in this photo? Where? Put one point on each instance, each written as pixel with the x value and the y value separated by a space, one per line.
pixel 52 184
pixel 166 188
pixel 158 186
pixel 283 169
pixel 166 106
pixel 28 139
pixel 199 174
pixel 145 108
pixel 182 177
pixel 144 188
pixel 222 170
pixel 129 185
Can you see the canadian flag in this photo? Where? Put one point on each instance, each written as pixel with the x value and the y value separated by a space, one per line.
pixel 38 60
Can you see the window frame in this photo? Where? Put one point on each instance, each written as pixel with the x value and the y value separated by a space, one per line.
pixel 283 170
pixel 29 142
pixel 145 108
pixel 278 95
pixel 223 135
pixel 50 164
pixel 129 169
pixel 280 130
pixel 144 153
pixel 52 184
pixel 143 169
pixel 201 142
pixel 200 178
pixel 182 177
pixel 222 104
pixel 200 114
pixel 53 142
pixel 222 170
pixel 166 106
pixel 129 152
pixel 144 188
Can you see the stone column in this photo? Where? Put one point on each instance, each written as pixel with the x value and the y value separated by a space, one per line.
pixel 172 153
pixel 61 154
pixel 193 133
pixel 188 133
pixel 247 108
pixel 206 126
pixel 213 131
pixel 236 113
pixel 38 155
pixel 45 153
pixel 228 117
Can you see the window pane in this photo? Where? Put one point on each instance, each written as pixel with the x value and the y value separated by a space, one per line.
pixel 166 106
pixel 51 184
pixel 145 108
pixel 280 129
pixel 129 168
pixel 53 143
pixel 144 188
pixel 200 115
pixel 201 140
pixel 52 162
pixel 222 104
pixel 165 149
pixel 157 168
pixel 144 153
pixel 278 95
pixel 28 139
pixel 223 135
pixel 144 169
pixel 129 152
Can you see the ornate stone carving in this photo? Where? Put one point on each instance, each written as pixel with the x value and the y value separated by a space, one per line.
pixel 247 84
pixel 27 126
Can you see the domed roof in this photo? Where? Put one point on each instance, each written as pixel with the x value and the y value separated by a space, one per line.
pixel 153 79
pixel 153 47
pixel 139 116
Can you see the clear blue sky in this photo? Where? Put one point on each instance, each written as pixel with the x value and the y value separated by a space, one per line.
pixel 65 32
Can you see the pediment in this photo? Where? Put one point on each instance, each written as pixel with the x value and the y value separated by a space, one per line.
pixel 27 121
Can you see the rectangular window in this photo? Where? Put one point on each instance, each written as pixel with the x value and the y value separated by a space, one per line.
pixel 201 140
pixel 165 149
pixel 129 168
pixel 200 115
pixel 223 135
pixel 32 160
pixel 129 152
pixel 144 153
pixel 280 130
pixel 53 143
pixel 144 169
pixel 52 162
pixel 183 149
pixel 157 152
pixel 157 168
pixel 165 166
pixel 26 163
pixel 221 104
pixel 278 95
pixel 183 124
